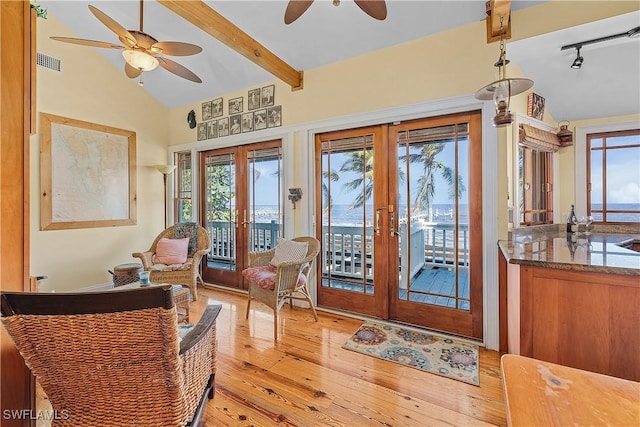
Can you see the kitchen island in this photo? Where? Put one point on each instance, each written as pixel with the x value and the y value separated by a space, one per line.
pixel 572 299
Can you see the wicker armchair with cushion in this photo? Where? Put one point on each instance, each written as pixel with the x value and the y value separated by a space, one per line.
pixel 168 267
pixel 114 358
pixel 281 274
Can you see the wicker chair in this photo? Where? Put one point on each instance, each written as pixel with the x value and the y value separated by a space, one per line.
pixel 114 358
pixel 274 286
pixel 186 274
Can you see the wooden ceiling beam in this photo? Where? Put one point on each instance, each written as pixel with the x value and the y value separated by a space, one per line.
pixel 495 9
pixel 216 25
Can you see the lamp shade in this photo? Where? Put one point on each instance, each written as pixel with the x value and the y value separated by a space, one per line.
pixel 140 60
pixel 165 169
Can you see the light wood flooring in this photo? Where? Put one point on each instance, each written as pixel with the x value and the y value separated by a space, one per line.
pixel 307 379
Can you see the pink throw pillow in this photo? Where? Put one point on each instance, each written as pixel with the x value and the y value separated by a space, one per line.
pixel 171 251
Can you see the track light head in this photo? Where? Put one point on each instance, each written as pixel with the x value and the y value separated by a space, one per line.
pixel 577 63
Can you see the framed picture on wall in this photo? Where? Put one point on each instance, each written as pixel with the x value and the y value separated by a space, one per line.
pixel 202 131
pixel 217 107
pixel 535 106
pixel 267 96
pixel 247 122
pixel 223 126
pixel 206 111
pixel 253 99
pixel 274 116
pixel 212 129
pixel 260 119
pixel 234 123
pixel 235 105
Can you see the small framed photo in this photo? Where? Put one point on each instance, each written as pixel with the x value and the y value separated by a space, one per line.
pixel 274 116
pixel 247 122
pixel 202 131
pixel 217 107
pixel 207 111
pixel 267 96
pixel 235 124
pixel 223 126
pixel 535 106
pixel 260 119
pixel 212 129
pixel 235 106
pixel 253 99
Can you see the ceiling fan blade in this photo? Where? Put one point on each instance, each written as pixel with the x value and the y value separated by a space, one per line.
pixel 295 9
pixel 86 42
pixel 178 70
pixel 374 8
pixel 131 72
pixel 175 48
pixel 118 29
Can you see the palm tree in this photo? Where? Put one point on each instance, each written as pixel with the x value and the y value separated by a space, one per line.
pixel 327 200
pixel 426 190
pixel 360 162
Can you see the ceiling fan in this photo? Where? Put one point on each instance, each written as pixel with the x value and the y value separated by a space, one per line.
pixel 141 51
pixel 376 9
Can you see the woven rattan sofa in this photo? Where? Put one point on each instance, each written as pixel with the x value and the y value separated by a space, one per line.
pixel 186 274
pixel 114 358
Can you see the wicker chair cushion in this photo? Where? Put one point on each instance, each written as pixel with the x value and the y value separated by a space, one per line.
pixel 172 267
pixel 265 276
pixel 288 250
pixel 171 251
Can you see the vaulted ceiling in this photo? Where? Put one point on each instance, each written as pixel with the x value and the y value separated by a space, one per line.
pixel 326 34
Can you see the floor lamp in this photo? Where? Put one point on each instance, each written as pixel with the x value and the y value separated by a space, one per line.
pixel 165 170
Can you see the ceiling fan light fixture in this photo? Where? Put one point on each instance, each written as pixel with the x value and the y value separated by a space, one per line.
pixel 140 60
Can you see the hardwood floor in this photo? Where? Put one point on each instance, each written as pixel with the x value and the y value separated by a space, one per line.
pixel 307 379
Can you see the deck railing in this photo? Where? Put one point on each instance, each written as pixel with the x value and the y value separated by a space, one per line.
pixel 348 250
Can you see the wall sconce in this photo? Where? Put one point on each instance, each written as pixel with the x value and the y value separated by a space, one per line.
pixel 501 90
pixel 565 136
pixel 295 194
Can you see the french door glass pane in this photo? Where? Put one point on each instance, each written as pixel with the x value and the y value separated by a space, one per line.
pixel 347 215
pixel 433 217
pixel 265 199
pixel 221 213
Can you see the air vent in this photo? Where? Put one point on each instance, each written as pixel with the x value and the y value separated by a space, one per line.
pixel 47 61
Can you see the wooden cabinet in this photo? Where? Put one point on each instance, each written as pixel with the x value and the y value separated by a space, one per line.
pixel 582 319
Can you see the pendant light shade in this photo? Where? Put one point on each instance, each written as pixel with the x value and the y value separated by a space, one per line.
pixel 501 90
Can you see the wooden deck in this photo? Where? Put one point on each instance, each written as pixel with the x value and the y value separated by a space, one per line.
pixel 430 286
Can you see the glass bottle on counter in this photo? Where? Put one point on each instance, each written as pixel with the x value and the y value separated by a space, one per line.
pixel 572 220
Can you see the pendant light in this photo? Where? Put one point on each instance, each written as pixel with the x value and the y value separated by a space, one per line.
pixel 502 89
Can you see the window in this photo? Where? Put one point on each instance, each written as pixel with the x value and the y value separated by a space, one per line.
pixel 535 186
pixel 613 176
pixel 182 203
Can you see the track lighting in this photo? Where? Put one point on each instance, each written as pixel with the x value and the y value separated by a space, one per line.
pixel 577 63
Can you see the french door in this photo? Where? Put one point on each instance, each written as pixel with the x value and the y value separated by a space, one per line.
pixel 242 207
pixel 401 222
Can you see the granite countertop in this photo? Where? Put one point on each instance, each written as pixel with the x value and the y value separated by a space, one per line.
pixel 598 252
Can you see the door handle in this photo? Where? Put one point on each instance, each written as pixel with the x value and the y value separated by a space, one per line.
pixel 245 222
pixel 377 226
pixel 235 218
pixel 393 231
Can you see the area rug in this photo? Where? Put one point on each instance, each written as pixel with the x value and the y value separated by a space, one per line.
pixel 435 354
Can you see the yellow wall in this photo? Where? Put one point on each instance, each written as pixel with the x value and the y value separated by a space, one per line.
pixel 445 65
pixel 89 88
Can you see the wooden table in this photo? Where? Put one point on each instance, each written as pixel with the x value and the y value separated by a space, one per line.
pixel 540 393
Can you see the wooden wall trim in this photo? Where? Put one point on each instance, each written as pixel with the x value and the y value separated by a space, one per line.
pixel 15 112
